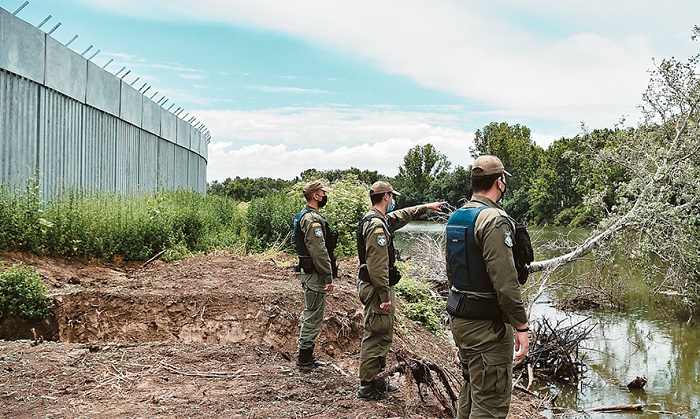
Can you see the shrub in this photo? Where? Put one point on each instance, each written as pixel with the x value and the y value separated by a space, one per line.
pixel 22 293
pixel 269 221
pixel 101 225
pixel 419 305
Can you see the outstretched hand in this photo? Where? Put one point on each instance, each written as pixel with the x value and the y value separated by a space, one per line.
pixel 436 206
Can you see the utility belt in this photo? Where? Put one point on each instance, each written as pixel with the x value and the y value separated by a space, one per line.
pixel 394 275
pixel 462 306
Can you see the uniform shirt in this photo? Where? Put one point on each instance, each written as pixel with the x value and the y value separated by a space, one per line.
pixel 494 233
pixel 312 224
pixel 377 239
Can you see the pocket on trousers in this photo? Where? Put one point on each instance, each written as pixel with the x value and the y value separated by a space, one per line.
pixel 379 323
pixel 497 373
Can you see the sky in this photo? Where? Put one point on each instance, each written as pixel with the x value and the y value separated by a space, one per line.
pixel 287 85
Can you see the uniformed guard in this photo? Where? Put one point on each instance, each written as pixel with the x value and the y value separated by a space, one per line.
pixel 376 280
pixel 484 303
pixel 315 243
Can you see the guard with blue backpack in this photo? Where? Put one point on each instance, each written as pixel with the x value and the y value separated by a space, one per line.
pixel 315 244
pixel 487 257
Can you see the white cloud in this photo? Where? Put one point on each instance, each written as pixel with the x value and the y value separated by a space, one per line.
pixel 287 141
pixel 535 59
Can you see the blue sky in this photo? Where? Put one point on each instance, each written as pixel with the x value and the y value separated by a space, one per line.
pixel 288 85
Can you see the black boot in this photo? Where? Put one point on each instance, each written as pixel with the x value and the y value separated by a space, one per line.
pixel 384 384
pixel 372 390
pixel 307 360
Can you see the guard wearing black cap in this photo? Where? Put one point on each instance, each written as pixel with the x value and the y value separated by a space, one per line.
pixel 485 303
pixel 315 243
pixel 377 277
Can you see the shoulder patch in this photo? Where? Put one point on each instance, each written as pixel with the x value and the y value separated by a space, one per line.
pixel 381 240
pixel 508 239
pixel 318 232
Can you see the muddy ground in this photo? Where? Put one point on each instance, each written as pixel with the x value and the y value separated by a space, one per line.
pixel 209 336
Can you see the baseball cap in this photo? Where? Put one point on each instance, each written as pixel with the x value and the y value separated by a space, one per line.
pixel 488 165
pixel 314 186
pixel 382 187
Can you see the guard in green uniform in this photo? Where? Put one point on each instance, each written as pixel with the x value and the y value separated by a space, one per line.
pixel 315 243
pixel 485 304
pixel 377 277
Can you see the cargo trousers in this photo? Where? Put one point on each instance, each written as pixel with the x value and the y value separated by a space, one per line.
pixel 314 305
pixel 378 331
pixel 486 357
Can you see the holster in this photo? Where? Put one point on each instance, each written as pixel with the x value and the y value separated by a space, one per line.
pixel 460 305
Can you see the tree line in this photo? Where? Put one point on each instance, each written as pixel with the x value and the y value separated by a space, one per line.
pixel 549 186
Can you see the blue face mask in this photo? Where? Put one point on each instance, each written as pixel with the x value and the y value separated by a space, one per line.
pixel 391 206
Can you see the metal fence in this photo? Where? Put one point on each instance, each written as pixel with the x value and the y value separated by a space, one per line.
pixel 74 125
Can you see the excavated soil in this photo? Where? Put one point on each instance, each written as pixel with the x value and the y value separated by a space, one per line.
pixel 209 336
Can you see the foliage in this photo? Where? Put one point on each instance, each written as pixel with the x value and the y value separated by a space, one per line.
pixel 269 220
pixel 364 176
pixel 520 156
pixel 104 225
pixel 422 165
pixel 246 189
pixel 453 187
pixel 419 304
pixel 22 293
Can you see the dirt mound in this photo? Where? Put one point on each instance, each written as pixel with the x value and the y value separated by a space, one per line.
pixel 210 336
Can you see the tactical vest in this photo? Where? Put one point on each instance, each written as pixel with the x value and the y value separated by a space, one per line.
pixel 394 274
pixel 464 256
pixel 330 239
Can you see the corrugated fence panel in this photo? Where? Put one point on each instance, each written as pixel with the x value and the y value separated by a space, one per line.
pixel 193 171
pixel 128 139
pixel 77 126
pixel 181 165
pixel 18 146
pixel 148 162
pixel 60 142
pixel 100 151
pixel 166 165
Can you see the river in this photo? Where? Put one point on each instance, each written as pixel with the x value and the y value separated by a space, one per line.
pixel 645 339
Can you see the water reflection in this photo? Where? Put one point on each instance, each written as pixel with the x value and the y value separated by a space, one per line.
pixel 644 340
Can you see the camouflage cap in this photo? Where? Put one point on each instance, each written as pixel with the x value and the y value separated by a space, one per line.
pixel 382 187
pixel 314 186
pixel 488 165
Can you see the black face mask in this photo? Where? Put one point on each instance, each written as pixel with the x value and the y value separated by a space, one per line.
pixel 323 202
pixel 503 193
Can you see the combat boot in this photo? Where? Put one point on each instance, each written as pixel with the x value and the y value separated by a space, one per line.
pixel 385 385
pixel 308 361
pixel 371 390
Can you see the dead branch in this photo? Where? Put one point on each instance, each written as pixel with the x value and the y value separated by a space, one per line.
pixel 208 374
pixel 619 408
pixel 418 370
pixel 159 254
pixel 554 351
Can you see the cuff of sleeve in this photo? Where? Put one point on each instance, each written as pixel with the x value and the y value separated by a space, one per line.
pixel 384 295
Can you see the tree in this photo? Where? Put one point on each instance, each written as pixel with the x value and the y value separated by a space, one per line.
pixel 421 166
pixel 656 212
pixel 520 156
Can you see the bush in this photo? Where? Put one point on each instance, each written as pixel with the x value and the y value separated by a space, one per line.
pixel 269 221
pixel 100 225
pixel 22 293
pixel 419 305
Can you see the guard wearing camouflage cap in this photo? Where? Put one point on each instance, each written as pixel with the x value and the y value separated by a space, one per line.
pixel 315 243
pixel 485 303
pixel 375 285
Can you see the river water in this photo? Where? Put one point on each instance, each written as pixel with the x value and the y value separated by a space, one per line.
pixel 645 339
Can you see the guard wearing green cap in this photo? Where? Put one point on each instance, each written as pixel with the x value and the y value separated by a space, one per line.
pixel 315 243
pixel 377 277
pixel 488 317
